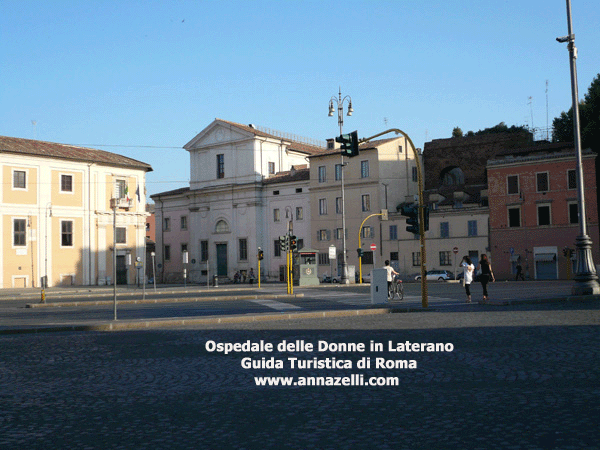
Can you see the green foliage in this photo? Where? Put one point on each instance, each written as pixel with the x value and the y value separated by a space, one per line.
pixel 457 132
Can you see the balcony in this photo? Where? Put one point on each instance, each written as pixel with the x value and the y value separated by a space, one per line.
pixel 121 203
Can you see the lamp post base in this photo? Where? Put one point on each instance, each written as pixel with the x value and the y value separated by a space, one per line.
pixel 586 278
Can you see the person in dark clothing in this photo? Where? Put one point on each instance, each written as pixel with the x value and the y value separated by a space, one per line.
pixel 519 273
pixel 487 275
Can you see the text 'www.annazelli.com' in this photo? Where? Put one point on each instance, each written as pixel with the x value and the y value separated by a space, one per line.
pixel 352 380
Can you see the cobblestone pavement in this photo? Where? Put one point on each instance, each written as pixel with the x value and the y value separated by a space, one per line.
pixel 520 379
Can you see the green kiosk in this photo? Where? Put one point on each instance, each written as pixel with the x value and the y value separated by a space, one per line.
pixel 305 267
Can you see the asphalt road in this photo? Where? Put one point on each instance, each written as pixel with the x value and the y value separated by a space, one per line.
pixel 520 377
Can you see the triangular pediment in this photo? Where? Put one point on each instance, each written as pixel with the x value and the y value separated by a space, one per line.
pixel 217 133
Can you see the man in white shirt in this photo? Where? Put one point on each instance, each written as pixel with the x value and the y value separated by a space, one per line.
pixel 390 274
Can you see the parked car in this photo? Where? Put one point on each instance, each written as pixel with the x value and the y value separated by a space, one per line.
pixel 366 278
pixel 460 275
pixel 436 275
pixel 328 279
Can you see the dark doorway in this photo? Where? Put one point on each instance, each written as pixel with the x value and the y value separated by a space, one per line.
pixel 121 270
pixel 222 260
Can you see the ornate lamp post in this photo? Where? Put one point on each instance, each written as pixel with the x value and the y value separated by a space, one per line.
pixel 586 278
pixel 340 109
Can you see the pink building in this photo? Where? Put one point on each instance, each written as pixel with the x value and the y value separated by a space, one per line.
pixel 534 210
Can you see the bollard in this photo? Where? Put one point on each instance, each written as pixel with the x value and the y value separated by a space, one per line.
pixel 43 296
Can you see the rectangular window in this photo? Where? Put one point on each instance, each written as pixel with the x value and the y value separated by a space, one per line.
pixel 338 172
pixel 19 179
pixel 512 184
pixel 323 259
pixel 300 244
pixel 19 232
pixel 338 205
pixel 393 256
pixel 323 235
pixel 366 202
pixel 298 190
pixel 167 252
pixel 271 168
pixel 543 215
pixel 445 258
pixel 299 213
pixel 322 206
pixel 221 166
pixel 275 192
pixel 364 169
pixel 167 224
pixel 276 215
pixel 120 189
pixel 276 248
pixel 416 258
pixel 203 251
pixel 183 222
pixel 243 249
pixel 393 232
pixel 542 181
pixel 66 183
pixel 339 233
pixel 367 232
pixel 399 149
pixel 322 174
pixel 514 217
pixel 572 178
pixel 415 175
pixel 573 213
pixel 472 227
pixel 121 236
pixel 444 229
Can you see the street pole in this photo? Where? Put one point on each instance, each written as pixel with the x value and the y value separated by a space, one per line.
pixel 340 110
pixel 586 278
pixel 115 257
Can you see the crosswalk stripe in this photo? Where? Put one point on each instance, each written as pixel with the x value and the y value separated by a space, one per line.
pixel 279 306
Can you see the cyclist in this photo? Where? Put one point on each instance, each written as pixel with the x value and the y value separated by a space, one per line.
pixel 390 275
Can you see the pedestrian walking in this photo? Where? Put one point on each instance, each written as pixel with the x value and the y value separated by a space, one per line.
pixel 251 276
pixel 468 269
pixel 390 275
pixel 519 273
pixel 487 275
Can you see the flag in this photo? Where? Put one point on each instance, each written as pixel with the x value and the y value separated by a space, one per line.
pixel 127 192
pixel 137 192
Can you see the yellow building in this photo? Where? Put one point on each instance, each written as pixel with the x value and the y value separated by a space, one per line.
pixel 59 205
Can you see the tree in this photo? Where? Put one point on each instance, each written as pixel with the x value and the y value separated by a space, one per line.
pixel 457 132
pixel 589 120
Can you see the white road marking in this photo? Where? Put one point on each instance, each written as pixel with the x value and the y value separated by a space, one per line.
pixel 279 306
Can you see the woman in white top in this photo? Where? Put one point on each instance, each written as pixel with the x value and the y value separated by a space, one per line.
pixel 469 269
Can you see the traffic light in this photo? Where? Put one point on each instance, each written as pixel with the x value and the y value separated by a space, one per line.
pixel 349 143
pixel 412 212
pixel 293 243
pixel 360 252
pixel 283 243
pixel 261 255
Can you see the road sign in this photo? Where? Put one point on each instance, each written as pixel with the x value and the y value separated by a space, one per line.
pixel 455 250
pixel 332 252
pixel 373 247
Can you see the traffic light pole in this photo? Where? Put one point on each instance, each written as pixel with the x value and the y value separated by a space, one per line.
pixel 360 245
pixel 424 300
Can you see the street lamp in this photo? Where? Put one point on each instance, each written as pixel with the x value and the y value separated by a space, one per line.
pixel 586 278
pixel 47 214
pixel 340 108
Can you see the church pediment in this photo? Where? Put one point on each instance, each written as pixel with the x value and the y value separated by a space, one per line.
pixel 217 133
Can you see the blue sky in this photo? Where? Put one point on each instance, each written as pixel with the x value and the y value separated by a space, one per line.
pixel 142 78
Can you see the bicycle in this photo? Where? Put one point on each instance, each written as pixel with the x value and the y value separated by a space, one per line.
pixel 396 289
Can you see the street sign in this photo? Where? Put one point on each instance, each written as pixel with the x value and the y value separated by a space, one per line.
pixel 455 250
pixel 332 252
pixel 373 247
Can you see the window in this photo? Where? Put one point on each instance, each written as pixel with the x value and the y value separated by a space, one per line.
pixel 276 215
pixel 19 232
pixel 415 175
pixel 203 251
pixel 323 259
pixel 121 235
pixel 573 213
pixel 322 174
pixel 393 232
pixel 444 229
pixel 543 212
pixel 338 205
pixel 364 169
pixel 221 166
pixel 66 183
pixel 366 202
pixel 120 189
pixel 243 249
pixel 167 252
pixel 512 184
pixel 572 178
pixel 167 223
pixel 445 258
pixel 322 206
pixel 299 213
pixel 472 227
pixel 300 244
pixel 183 222
pixel 298 190
pixel 323 235
pixel 367 232
pixel 399 149
pixel 514 217
pixel 416 258
pixel 393 256
pixel 19 179
pixel 338 172
pixel 542 181
pixel 275 192
pixel 271 168
pixel 221 227
pixel 339 233
pixel 276 248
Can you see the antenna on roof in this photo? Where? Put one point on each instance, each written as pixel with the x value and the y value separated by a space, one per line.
pixel 34 123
